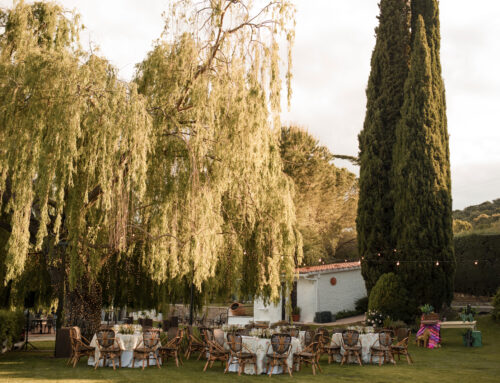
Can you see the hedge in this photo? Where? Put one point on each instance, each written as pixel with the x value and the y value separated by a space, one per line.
pixel 11 327
pixel 483 278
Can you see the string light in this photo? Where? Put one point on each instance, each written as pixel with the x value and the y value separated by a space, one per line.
pixel 437 263
pixel 475 263
pixel 397 263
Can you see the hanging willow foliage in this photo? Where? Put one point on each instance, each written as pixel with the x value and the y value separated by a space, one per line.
pixel 74 139
pixel 215 180
pixel 184 160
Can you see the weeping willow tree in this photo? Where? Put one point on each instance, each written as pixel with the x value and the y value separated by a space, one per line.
pixel 183 162
pixel 217 202
pixel 74 145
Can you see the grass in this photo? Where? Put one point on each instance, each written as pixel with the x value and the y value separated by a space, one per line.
pixel 451 363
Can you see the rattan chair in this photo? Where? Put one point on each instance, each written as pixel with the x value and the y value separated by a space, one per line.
pixel 80 346
pixel 329 347
pixel 323 340
pixel 107 347
pixel 172 349
pixel 351 345
pixel 148 347
pixel 194 344
pixel 215 352
pixel 281 345
pixel 401 346
pixel 239 353
pixel 382 348
pixel 310 355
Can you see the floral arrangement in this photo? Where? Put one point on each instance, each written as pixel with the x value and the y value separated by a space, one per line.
pixel 232 327
pixel 375 318
pixel 126 329
pixel 362 329
pixel 263 332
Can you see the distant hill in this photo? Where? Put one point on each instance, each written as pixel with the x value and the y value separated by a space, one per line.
pixel 482 218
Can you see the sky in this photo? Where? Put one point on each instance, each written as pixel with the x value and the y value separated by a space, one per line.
pixel 334 42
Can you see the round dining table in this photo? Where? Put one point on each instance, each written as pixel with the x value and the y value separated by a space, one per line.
pixel 259 347
pixel 367 341
pixel 127 343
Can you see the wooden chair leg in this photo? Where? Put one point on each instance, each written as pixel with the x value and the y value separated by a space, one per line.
pixel 319 367
pixel 206 365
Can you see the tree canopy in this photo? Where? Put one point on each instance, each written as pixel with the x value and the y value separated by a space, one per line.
pixel 178 172
pixel 325 196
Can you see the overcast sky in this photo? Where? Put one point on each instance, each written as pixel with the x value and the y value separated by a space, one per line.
pixel 334 41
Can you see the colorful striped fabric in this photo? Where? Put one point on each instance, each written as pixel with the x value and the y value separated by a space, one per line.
pixel 434 338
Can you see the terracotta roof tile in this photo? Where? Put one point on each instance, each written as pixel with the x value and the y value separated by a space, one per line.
pixel 331 266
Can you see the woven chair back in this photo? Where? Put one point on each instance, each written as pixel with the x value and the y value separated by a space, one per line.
pixel 350 337
pixel 105 338
pixel 281 343
pixel 150 338
pixel 403 334
pixel 235 342
pixel 384 338
pixel 308 337
pixel 206 334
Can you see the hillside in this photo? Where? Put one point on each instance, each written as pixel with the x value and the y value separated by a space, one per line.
pixel 482 218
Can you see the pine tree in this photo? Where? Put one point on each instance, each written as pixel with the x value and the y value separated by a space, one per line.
pixel 389 69
pixel 422 204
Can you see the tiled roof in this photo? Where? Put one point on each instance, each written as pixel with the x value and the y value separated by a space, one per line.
pixel 332 266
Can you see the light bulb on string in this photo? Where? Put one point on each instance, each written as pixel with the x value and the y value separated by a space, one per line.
pixel 397 263
pixel 437 263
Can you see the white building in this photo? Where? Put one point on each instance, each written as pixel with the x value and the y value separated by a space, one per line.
pixel 333 287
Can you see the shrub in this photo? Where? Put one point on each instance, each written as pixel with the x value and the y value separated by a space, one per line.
pixel 483 278
pixel 361 305
pixel 323 317
pixel 390 298
pixel 496 306
pixel 11 327
pixel 347 313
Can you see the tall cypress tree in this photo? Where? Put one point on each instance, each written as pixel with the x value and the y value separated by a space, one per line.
pixel 422 223
pixel 389 69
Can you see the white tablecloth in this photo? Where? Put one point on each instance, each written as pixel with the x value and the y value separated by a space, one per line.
pixel 367 340
pixel 126 342
pixel 259 346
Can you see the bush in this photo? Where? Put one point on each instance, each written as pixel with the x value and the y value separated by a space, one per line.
pixel 496 306
pixel 347 313
pixel 361 305
pixel 390 298
pixel 323 317
pixel 11 327
pixel 483 278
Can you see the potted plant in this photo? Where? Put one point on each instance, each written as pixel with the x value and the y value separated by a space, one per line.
pixel 467 314
pixel 428 313
pixel 296 314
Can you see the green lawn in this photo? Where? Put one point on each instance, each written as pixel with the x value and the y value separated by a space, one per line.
pixel 451 363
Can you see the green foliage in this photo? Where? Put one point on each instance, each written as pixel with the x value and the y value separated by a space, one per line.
pixel 390 297
pixel 460 226
pixel 426 309
pixel 325 196
pixel 482 278
pixel 183 163
pixel 422 187
pixel 347 314
pixel 361 305
pixel 480 219
pixel 389 69
pixel 11 326
pixel 496 306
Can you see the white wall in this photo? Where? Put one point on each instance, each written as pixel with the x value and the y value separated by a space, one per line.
pixel 306 299
pixel 349 288
pixel 261 312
